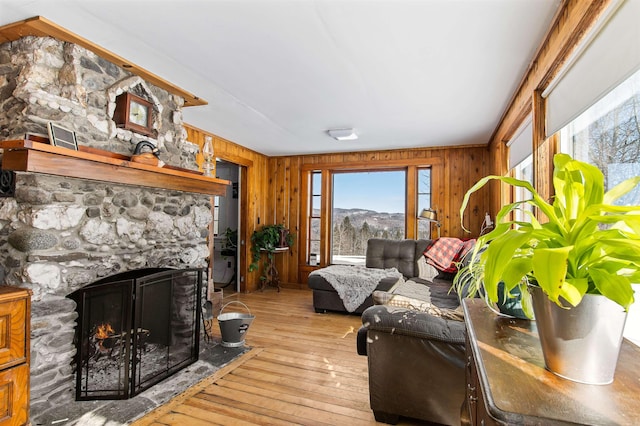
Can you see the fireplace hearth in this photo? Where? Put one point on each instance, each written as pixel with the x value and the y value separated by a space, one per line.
pixel 135 329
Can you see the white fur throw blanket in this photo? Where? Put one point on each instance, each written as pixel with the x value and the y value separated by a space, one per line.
pixel 354 283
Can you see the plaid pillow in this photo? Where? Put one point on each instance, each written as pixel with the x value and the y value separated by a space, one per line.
pixel 447 254
pixel 443 253
pixel 466 247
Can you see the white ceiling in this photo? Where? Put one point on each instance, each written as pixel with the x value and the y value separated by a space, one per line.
pixel 279 74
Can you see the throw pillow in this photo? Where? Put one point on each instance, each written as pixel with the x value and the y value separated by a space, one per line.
pixel 425 270
pixel 443 253
pixel 466 247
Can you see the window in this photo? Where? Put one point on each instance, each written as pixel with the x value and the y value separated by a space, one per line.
pixel 607 135
pixel 424 201
pixel 521 166
pixel 608 55
pixel 523 171
pixel 216 214
pixel 365 205
pixel 315 212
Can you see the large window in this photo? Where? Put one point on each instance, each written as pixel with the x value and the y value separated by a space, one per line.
pixel 365 205
pixel 607 135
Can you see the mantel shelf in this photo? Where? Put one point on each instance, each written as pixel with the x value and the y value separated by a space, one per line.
pixel 87 163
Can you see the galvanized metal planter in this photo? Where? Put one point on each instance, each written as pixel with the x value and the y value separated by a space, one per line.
pixel 581 344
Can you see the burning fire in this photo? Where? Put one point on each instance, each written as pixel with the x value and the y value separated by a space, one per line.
pixel 104 331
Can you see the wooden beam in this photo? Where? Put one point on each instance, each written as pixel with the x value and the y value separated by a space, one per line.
pixel 39 26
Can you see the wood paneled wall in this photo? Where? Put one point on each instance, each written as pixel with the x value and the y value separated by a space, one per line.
pixel 454 171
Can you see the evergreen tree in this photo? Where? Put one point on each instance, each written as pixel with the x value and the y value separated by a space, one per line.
pixel 349 236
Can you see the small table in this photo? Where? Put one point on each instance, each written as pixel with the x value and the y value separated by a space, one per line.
pixel 507 382
pixel 273 277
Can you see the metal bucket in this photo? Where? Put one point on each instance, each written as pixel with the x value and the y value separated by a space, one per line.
pixel 234 326
pixel 582 343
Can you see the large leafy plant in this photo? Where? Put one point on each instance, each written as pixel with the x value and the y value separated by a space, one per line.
pixel 587 246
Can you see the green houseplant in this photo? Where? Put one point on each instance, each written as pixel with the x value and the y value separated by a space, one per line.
pixel 267 240
pixel 588 246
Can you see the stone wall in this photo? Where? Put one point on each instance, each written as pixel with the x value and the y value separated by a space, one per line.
pixel 43 79
pixel 59 234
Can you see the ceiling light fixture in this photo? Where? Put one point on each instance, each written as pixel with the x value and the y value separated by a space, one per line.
pixel 343 134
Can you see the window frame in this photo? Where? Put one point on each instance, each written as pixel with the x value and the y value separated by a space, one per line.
pixel 311 216
pixel 411 209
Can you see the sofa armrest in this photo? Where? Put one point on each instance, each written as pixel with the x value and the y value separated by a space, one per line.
pixel 416 364
pixel 408 322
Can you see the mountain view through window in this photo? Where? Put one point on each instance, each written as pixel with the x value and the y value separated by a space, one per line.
pixel 366 205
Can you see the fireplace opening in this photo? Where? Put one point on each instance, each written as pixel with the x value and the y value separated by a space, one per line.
pixel 135 329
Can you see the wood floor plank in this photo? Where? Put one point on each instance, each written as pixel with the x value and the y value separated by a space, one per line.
pixel 268 413
pixel 303 369
pixel 289 395
pixel 210 416
pixel 323 378
pixel 178 419
pixel 234 413
pixel 314 364
pixel 359 400
pixel 283 404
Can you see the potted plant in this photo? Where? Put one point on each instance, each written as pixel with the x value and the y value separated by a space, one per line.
pixel 580 264
pixel 268 240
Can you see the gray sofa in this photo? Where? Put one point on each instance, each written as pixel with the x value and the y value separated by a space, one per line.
pixel 381 254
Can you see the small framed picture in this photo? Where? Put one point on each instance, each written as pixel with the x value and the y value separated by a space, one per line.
pixel 59 136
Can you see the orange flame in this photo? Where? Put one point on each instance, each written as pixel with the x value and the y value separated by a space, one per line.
pixel 104 331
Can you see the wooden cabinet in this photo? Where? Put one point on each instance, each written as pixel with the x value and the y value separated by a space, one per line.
pixel 15 316
pixel 507 382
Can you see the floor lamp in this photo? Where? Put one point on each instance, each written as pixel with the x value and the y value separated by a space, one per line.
pixel 431 216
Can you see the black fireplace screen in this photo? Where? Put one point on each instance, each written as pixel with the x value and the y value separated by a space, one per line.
pixel 136 329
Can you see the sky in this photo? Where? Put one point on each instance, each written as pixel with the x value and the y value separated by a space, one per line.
pixel 382 192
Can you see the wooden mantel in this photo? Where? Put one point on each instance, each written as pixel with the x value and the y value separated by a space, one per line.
pixel 88 163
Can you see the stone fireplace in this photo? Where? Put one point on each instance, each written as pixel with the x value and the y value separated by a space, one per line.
pixel 59 234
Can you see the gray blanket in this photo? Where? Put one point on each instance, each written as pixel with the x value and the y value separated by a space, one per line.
pixel 355 283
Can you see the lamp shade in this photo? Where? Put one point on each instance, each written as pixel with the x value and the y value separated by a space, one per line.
pixel 429 214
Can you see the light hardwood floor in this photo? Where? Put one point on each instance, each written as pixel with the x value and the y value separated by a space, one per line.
pixel 303 369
